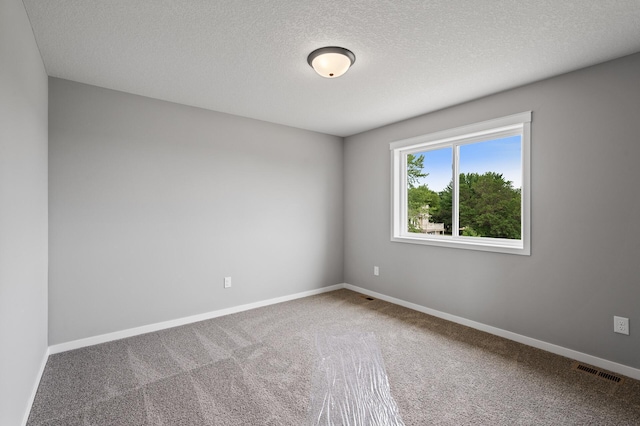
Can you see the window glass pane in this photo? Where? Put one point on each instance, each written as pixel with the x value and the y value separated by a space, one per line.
pixel 429 205
pixel 490 188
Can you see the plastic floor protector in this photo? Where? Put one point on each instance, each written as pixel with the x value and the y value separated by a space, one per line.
pixel 349 383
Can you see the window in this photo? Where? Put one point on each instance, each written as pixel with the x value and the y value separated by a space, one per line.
pixel 466 187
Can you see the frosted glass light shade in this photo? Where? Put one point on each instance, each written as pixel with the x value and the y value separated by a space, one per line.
pixel 331 62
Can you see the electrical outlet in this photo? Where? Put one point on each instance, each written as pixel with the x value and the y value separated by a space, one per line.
pixel 227 282
pixel 621 325
pixel 376 271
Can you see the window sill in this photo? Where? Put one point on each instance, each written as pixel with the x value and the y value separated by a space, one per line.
pixel 496 246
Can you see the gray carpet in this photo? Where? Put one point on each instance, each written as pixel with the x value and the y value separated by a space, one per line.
pixel 256 368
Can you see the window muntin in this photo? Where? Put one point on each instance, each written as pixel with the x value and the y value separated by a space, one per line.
pixel 484 206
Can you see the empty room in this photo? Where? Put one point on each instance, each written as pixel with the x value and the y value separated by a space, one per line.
pixel 319 213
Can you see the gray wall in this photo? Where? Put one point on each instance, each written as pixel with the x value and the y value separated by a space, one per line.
pixel 585 262
pixel 23 212
pixel 153 203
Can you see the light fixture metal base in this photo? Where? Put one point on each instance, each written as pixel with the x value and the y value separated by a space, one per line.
pixel 331 49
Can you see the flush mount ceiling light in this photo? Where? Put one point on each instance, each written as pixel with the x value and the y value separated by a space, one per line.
pixel 331 62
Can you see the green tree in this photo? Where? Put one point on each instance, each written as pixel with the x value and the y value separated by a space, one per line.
pixel 445 209
pixel 420 200
pixel 414 169
pixel 489 206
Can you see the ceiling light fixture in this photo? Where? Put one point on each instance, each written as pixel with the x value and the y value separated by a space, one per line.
pixel 331 62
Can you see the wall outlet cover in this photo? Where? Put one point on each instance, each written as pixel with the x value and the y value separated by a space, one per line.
pixel 621 325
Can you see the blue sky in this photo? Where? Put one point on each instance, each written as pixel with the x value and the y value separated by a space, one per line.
pixel 498 155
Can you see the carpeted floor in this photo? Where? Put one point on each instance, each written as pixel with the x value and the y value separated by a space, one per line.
pixel 256 368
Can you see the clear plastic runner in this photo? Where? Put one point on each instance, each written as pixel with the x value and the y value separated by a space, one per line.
pixel 349 383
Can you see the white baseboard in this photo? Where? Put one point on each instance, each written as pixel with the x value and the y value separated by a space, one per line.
pixel 108 337
pixel 32 397
pixel 549 347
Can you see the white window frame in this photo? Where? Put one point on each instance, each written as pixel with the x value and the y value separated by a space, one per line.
pixel 517 124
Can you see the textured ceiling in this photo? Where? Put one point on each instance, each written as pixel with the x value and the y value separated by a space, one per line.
pixel 248 57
